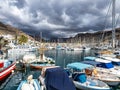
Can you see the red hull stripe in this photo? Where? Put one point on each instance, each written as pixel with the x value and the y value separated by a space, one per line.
pixel 4 73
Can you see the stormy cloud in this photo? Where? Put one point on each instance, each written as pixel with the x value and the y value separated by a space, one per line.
pixel 57 18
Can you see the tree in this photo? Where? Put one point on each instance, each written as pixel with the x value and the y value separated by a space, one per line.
pixel 22 39
pixel 3 42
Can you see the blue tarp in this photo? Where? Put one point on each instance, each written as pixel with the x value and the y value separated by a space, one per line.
pixel 78 66
pixel 57 79
pixel 107 65
pixel 89 58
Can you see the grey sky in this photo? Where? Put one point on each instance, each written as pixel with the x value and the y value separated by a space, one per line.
pixel 56 18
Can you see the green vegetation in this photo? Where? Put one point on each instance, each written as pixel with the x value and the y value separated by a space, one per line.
pixel 3 42
pixel 22 39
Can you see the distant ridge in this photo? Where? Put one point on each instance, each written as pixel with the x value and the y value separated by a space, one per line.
pixel 89 37
pixel 8 29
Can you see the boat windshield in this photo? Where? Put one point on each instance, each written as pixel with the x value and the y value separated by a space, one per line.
pixel 116 63
pixel 106 65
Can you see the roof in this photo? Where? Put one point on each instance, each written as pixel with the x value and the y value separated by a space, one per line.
pixel 79 66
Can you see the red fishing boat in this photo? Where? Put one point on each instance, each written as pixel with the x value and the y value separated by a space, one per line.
pixel 6 68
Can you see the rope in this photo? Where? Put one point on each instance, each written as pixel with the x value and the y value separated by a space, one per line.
pixel 110 3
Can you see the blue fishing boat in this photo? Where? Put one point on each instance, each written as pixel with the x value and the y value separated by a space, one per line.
pixel 29 84
pixel 81 81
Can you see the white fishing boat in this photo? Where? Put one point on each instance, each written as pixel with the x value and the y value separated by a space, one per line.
pixel 29 84
pixel 115 61
pixel 110 79
pixel 81 81
pixel 105 66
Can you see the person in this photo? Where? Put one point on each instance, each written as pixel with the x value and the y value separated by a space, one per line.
pixel 95 72
pixel 30 79
pixel 29 85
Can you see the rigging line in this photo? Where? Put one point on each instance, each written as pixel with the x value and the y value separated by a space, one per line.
pixel 118 18
pixel 110 3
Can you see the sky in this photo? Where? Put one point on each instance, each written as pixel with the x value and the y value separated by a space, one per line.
pixel 58 18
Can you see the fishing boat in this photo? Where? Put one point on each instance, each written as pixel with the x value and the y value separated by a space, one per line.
pixel 115 61
pixel 105 66
pixel 55 78
pixel 110 79
pixel 6 68
pixel 40 65
pixel 81 81
pixel 29 84
pixel 41 62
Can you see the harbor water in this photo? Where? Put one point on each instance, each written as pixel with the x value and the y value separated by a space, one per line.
pixel 61 57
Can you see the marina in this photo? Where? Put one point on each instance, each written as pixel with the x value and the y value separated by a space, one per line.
pixel 61 57
pixel 59 45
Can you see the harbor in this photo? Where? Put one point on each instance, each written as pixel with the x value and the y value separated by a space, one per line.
pixel 61 57
pixel 59 45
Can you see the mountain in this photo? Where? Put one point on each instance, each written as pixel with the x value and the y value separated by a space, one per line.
pixel 8 29
pixel 95 38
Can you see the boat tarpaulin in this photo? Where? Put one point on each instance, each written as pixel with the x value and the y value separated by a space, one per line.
pixel 107 65
pixel 79 66
pixel 58 79
pixel 90 58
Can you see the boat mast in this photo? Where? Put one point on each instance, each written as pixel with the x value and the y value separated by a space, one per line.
pixel 113 24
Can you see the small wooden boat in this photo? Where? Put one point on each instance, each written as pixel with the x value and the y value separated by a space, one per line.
pixel 40 65
pixel 42 62
pixel 30 84
pixel 6 68
pixel 81 81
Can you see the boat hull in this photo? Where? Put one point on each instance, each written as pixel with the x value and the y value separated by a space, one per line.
pixel 112 83
pixel 7 71
pixel 87 87
pixel 40 66
pixel 36 85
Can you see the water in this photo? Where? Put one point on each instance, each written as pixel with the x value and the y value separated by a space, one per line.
pixel 61 57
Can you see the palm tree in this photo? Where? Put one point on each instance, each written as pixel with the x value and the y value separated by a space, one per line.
pixel 22 39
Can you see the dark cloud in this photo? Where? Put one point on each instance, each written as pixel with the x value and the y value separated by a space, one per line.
pixel 19 3
pixel 56 18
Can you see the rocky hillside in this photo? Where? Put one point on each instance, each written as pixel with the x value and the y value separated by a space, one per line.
pixel 96 38
pixel 7 29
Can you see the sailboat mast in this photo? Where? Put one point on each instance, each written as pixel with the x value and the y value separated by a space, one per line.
pixel 40 37
pixel 113 24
